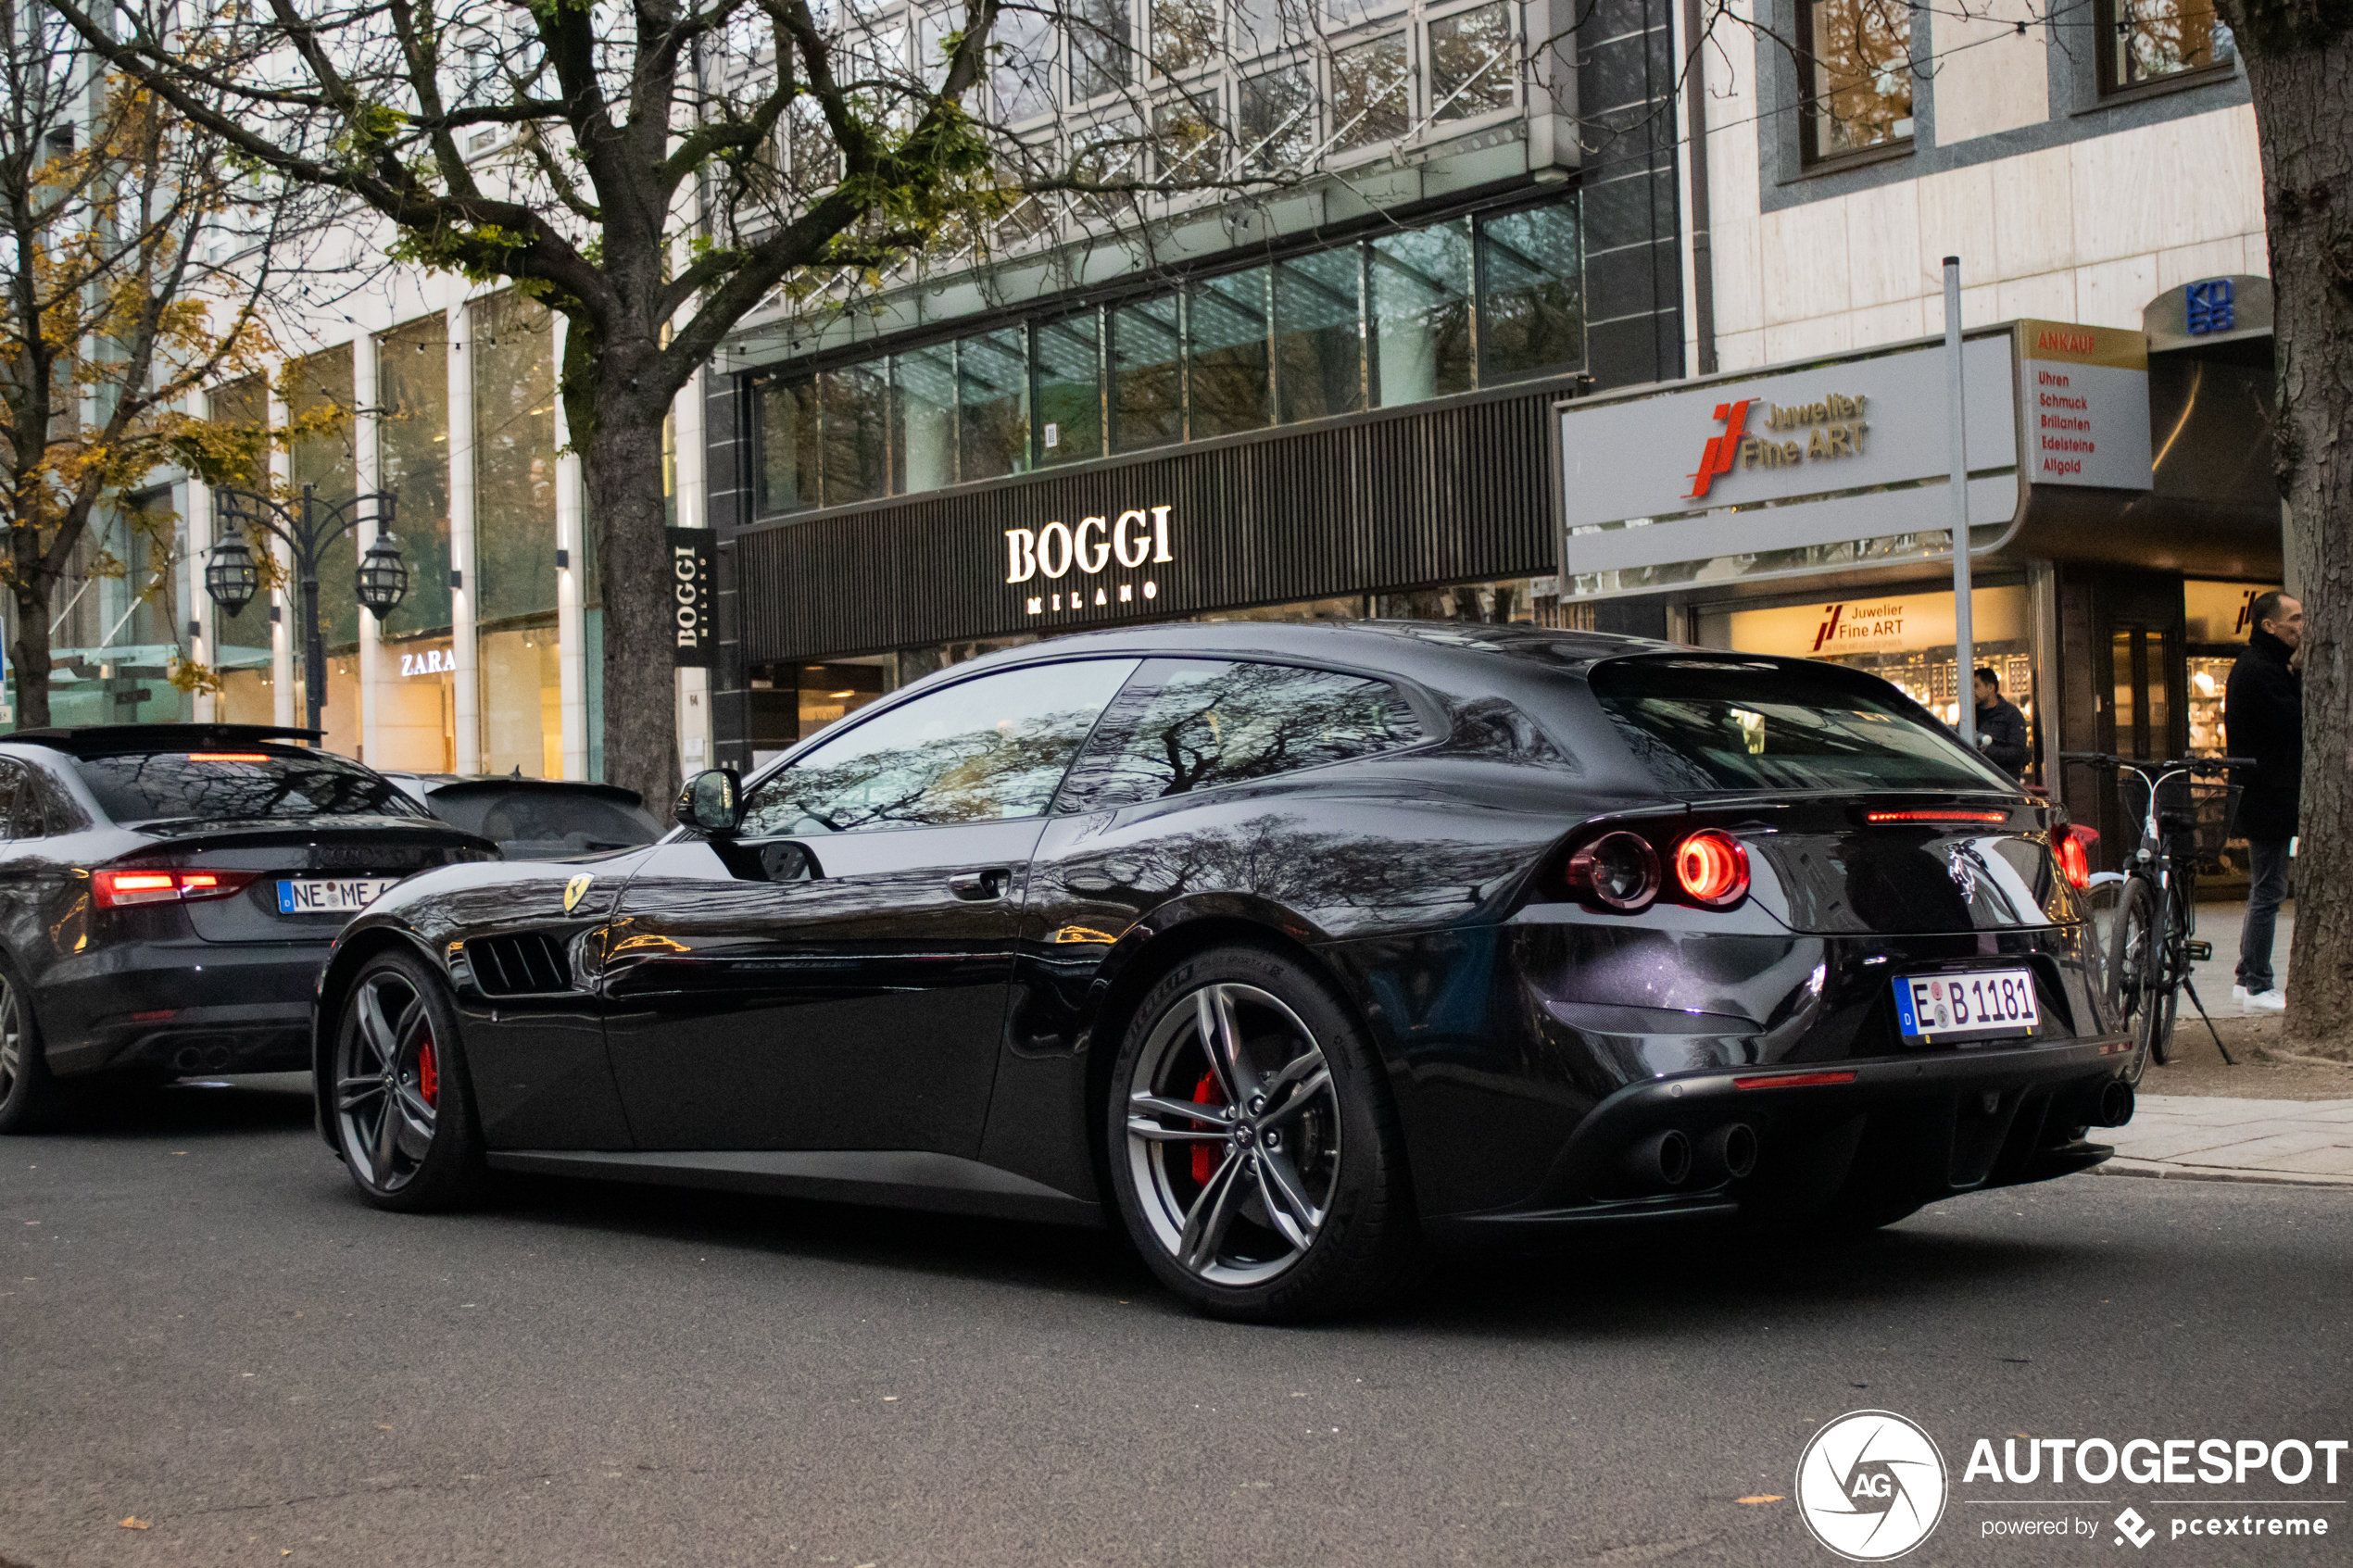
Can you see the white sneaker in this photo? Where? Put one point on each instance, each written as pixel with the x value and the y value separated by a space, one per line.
pixel 2274 1000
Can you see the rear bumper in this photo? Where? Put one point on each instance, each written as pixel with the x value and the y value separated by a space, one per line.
pixel 1882 1135
pixel 169 1009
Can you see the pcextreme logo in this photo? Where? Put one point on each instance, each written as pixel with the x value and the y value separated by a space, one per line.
pixel 1871 1486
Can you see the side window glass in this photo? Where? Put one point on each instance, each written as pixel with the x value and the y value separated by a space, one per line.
pixel 1188 724
pixel 979 750
pixel 19 815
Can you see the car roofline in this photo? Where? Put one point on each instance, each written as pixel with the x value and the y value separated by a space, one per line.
pixel 97 740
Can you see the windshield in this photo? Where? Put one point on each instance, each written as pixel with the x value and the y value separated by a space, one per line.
pixel 1708 724
pixel 543 824
pixel 240 786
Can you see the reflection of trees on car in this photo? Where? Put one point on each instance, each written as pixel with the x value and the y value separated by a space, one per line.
pixel 155 787
pixel 1007 769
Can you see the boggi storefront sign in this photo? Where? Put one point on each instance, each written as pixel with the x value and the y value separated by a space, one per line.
pixel 1135 539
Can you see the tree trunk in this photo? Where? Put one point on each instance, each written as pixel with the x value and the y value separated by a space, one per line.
pixel 621 468
pixel 2299 63
pixel 29 649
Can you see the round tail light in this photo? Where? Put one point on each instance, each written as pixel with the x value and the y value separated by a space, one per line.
pixel 1711 867
pixel 2075 865
pixel 1620 869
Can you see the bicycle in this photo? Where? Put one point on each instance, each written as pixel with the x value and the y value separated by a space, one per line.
pixel 2153 940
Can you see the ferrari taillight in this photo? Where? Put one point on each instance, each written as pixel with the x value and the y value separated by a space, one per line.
pixel 121 889
pixel 1711 867
pixel 2075 865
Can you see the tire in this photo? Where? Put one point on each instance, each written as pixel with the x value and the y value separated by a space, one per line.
pixel 1297 1208
pixel 2134 969
pixel 30 1098
pixel 403 1112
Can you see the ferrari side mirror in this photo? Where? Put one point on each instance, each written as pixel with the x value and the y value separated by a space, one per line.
pixel 712 802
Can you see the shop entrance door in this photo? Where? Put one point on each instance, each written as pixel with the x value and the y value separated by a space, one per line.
pixel 2140 681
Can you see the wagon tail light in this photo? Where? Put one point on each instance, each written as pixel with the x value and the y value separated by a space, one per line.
pixel 121 889
pixel 1620 870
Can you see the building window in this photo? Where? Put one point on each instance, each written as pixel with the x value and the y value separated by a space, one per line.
pixel 514 376
pixel 1319 337
pixel 854 431
pixel 2152 41
pixel 1371 89
pixel 1021 75
pixel 787 445
pixel 924 419
pixel 1472 63
pixel 1856 62
pixel 1147 375
pixel 1531 294
pixel 1101 47
pixel 1069 391
pixel 1420 309
pixel 1277 121
pixel 1229 374
pixel 992 405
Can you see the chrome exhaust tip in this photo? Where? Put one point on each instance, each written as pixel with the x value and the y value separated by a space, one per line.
pixel 2116 1103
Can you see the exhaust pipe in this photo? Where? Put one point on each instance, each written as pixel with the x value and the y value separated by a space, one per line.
pixel 188 1059
pixel 1662 1160
pixel 2116 1103
pixel 1729 1153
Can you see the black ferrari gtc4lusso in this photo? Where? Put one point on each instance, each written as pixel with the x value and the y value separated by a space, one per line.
pixel 1290 948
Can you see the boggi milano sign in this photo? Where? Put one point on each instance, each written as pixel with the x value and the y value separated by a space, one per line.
pixel 1105 553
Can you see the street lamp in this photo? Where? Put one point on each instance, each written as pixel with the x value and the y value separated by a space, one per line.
pixel 232 577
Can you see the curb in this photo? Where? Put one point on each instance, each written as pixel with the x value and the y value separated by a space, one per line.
pixel 2158 1170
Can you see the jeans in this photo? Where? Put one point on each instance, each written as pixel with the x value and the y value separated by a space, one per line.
pixel 2270 856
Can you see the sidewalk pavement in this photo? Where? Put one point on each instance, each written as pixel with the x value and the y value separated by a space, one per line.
pixel 2287 1142
pixel 2219 922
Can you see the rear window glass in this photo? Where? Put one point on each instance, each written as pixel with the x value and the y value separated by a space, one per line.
pixel 1703 725
pixel 545 822
pixel 239 786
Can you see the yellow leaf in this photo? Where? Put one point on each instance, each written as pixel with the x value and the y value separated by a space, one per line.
pixel 131 1524
pixel 1773 1498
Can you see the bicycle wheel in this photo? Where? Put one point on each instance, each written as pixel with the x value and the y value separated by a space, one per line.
pixel 2136 958
pixel 2172 968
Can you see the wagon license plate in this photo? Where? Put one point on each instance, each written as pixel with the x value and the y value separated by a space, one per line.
pixel 329 895
pixel 1979 1005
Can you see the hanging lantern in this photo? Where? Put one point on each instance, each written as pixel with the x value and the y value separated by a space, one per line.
pixel 231 578
pixel 381 581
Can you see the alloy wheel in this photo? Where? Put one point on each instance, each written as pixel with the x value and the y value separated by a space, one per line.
pixel 12 1063
pixel 387 1082
pixel 1233 1135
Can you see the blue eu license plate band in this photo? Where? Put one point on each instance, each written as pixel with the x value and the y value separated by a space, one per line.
pixel 1975 1004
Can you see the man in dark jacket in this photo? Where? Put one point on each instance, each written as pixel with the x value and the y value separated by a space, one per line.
pixel 2263 718
pixel 2001 728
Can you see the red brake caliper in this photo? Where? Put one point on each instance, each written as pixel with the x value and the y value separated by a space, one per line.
pixel 1205 1155
pixel 428 1073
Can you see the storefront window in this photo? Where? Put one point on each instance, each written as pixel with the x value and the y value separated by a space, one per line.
pixel 1069 391
pixel 522 700
pixel 416 700
pixel 1511 601
pixel 1531 294
pixel 1319 340
pixel 514 458
pixel 2215 618
pixel 1903 637
pixel 340 717
pixel 924 410
pixel 1421 313
pixel 992 400
pixel 787 445
pixel 1147 369
pixel 248 693
pixel 412 462
pixel 1228 367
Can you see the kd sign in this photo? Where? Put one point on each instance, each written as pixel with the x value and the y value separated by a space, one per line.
pixel 693 629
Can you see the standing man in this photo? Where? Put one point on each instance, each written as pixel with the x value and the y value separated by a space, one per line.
pixel 2264 717
pixel 2001 728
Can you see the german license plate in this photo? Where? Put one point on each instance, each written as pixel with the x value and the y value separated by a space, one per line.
pixel 1979 1005
pixel 329 895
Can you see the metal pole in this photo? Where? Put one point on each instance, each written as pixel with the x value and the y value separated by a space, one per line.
pixel 1964 650
pixel 314 674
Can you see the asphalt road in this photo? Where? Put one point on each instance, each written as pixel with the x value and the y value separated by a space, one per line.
pixel 203 1329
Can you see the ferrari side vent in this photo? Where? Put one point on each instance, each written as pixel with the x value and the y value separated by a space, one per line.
pixel 526 963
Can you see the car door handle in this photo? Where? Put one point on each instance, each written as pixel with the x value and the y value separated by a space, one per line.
pixel 979 887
